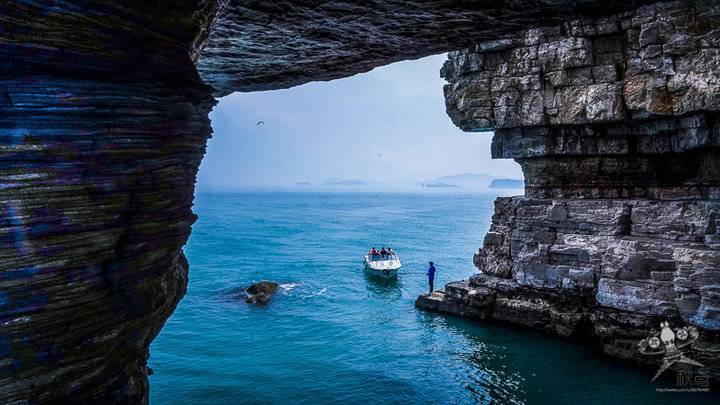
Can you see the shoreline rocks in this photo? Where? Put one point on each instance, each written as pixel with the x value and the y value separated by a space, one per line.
pixel 615 122
pixel 585 272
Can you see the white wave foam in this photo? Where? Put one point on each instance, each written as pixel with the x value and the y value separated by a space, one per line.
pixel 317 293
pixel 287 287
pixel 312 294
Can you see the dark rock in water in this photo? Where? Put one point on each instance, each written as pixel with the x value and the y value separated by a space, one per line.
pixel 263 287
pixel 260 293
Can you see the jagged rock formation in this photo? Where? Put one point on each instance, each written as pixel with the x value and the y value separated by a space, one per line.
pixel 257 45
pixel 103 123
pixel 260 293
pixel 614 121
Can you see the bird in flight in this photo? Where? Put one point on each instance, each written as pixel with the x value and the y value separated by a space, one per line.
pixel 379 154
pixel 260 123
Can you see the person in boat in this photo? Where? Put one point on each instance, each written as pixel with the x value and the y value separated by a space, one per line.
pixel 431 276
pixel 373 253
pixel 390 253
pixel 383 252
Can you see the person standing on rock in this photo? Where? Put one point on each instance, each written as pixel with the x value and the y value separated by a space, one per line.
pixel 431 276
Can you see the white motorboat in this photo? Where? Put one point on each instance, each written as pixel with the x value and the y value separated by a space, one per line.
pixel 384 267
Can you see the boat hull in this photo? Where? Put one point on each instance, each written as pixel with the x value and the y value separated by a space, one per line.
pixel 382 273
pixel 383 268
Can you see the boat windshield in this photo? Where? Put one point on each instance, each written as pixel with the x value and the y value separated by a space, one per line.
pixel 379 257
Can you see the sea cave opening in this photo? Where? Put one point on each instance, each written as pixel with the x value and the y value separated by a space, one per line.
pixel 296 185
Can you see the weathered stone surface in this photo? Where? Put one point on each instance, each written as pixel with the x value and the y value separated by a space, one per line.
pixel 103 123
pixel 257 45
pixel 261 292
pixel 624 106
pixel 94 211
pixel 650 298
pixel 606 268
pixel 697 285
pixel 621 111
pixel 657 61
pixel 492 298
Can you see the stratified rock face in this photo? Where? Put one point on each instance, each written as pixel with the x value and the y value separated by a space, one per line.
pixel 260 45
pixel 622 106
pixel 645 256
pixel 622 113
pixel 103 123
pixel 611 269
pixel 658 61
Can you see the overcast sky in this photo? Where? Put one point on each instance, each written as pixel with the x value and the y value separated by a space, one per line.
pixel 388 125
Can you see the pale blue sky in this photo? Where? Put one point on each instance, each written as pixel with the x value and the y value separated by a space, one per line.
pixel 336 129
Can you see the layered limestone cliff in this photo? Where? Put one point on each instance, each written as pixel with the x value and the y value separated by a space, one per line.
pixel 103 124
pixel 614 121
pixel 261 45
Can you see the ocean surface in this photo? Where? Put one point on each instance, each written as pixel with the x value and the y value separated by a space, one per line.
pixel 334 334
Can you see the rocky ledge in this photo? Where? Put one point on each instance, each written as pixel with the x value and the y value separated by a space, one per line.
pixel 610 271
pixel 614 121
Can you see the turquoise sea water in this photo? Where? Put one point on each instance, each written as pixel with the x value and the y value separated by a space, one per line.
pixel 335 335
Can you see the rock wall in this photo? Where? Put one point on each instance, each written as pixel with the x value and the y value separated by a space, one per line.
pixel 260 45
pixel 103 123
pixel 614 121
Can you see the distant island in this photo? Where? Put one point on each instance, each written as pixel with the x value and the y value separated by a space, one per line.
pixel 507 183
pixel 464 180
pixel 439 185
pixel 338 182
pixel 302 183
pixel 473 180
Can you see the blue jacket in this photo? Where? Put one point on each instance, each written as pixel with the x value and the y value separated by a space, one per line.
pixel 431 272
